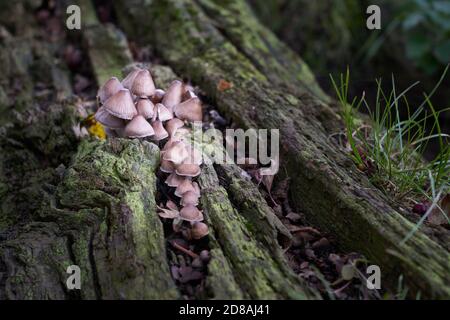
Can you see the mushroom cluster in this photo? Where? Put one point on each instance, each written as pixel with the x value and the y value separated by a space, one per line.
pixel 135 108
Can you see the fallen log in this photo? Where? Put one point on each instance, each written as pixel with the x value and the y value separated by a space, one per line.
pixel 97 211
pixel 211 42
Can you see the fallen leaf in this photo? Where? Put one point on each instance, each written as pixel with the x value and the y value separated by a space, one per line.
pixel 224 85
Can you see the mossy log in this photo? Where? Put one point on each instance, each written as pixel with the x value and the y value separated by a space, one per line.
pixel 97 210
pixel 211 41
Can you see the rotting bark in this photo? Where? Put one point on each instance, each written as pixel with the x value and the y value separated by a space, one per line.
pixel 98 211
pixel 214 41
pixel 62 218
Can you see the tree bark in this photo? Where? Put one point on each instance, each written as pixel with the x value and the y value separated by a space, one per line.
pixel 210 41
pixel 97 210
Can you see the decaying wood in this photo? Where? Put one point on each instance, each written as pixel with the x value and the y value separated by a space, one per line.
pixel 97 209
pixel 211 42
pixel 99 213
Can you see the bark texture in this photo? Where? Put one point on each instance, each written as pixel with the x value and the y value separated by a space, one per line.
pixel 214 41
pixel 93 203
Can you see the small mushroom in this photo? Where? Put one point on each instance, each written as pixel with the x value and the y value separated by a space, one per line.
pixel 168 213
pixel 188 170
pixel 174 180
pixel 176 153
pixel 188 94
pixel 190 110
pixel 173 94
pixel 129 79
pixel 158 96
pixel 196 188
pixel 145 108
pixel 164 114
pixel 121 105
pixel 167 166
pixel 108 120
pixel 110 88
pixel 143 85
pixel 189 198
pixel 160 132
pixel 169 144
pixel 191 213
pixel 185 186
pixel 199 230
pixel 138 128
pixel 173 125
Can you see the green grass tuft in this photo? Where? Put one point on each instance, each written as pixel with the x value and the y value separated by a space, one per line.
pixel 390 149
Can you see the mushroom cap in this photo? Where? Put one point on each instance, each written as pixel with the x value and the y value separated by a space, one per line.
pixel 138 128
pixel 176 153
pixel 191 213
pixel 196 188
pixel 129 79
pixel 167 166
pixel 173 125
pixel 174 180
pixel 168 213
pixel 190 110
pixel 199 230
pixel 169 144
pixel 145 108
pixel 164 114
pixel 185 186
pixel 110 88
pixel 143 85
pixel 189 198
pixel 188 94
pixel 121 105
pixel 108 120
pixel 173 94
pixel 188 170
pixel 158 96
pixel 160 132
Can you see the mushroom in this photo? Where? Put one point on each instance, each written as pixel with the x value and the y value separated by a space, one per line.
pixel 121 105
pixel 138 128
pixel 173 94
pixel 164 114
pixel 110 88
pixel 108 120
pixel 145 108
pixel 168 213
pixel 199 230
pixel 167 166
pixel 143 85
pixel 173 125
pixel 174 180
pixel 188 94
pixel 185 186
pixel 189 198
pixel 190 110
pixel 188 170
pixel 129 79
pixel 196 188
pixel 176 153
pixel 191 213
pixel 160 132
pixel 158 96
